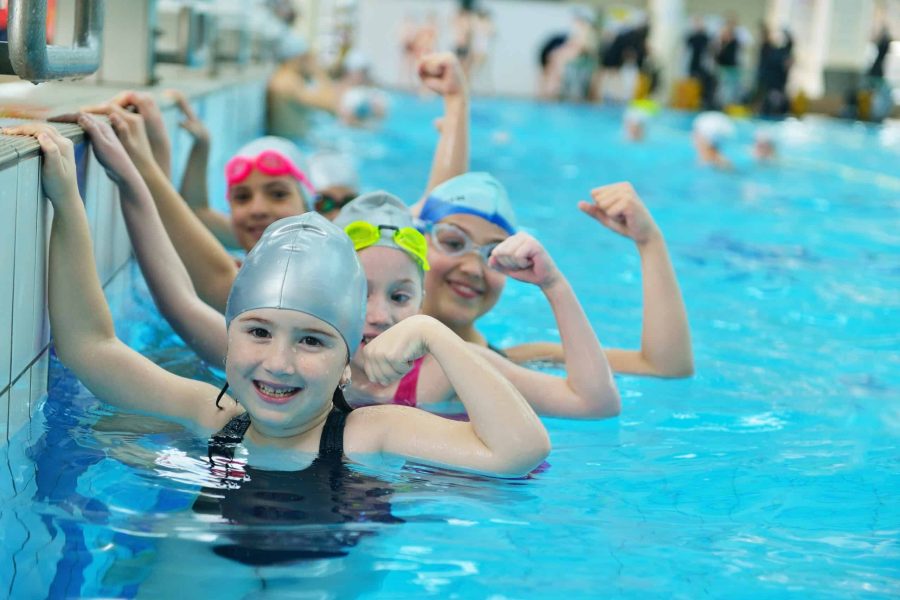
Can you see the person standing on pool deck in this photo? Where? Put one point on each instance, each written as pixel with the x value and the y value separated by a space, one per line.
pixel 470 215
pixel 275 186
pixel 295 313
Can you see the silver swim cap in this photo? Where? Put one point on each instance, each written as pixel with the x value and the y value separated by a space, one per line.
pixel 304 263
pixel 390 215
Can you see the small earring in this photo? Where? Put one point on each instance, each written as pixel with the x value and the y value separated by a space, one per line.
pixel 345 384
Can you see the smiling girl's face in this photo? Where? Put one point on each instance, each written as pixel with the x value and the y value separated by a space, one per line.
pixel 260 200
pixel 283 367
pixel 394 290
pixel 459 289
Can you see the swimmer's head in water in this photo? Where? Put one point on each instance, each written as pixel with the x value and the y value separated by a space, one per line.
pixel 381 219
pixel 465 216
pixel 478 194
pixel 267 181
pixel 270 155
pixel 336 181
pixel 393 255
pixel 714 128
pixel 363 104
pixel 304 264
pixel 763 145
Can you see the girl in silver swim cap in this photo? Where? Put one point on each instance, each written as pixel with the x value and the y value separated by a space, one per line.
pixel 287 351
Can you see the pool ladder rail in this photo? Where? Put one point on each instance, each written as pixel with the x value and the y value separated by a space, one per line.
pixel 28 55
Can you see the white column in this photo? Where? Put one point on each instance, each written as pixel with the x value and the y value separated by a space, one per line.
pixel 667 28
pixel 827 34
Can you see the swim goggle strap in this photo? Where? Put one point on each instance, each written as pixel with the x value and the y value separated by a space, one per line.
pixel 268 162
pixel 364 234
pixel 436 209
pixel 452 241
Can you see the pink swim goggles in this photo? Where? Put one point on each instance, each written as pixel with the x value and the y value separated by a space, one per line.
pixel 268 162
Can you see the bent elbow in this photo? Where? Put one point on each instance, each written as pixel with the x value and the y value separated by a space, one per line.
pixel 680 371
pixel 605 406
pixel 527 461
pixel 673 368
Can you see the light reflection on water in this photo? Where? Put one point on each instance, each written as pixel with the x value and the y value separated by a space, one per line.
pixel 773 471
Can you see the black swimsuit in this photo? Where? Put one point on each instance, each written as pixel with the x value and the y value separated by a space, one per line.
pixel 275 509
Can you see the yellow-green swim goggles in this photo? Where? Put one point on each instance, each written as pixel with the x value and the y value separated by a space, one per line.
pixel 364 234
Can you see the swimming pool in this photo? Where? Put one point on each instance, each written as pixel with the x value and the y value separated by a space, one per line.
pixel 773 472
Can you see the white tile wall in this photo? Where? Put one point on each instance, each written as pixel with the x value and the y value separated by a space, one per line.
pixel 8 185
pixel 91 194
pixel 40 369
pixel 121 242
pixel 172 117
pixel 25 328
pixel 236 115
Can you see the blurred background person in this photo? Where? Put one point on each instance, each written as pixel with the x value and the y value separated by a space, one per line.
pixel 727 55
pixel 698 43
pixel 775 60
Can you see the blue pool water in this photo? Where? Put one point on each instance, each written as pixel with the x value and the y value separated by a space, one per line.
pixel 773 472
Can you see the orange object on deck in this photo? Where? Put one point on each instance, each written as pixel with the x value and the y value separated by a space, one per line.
pixel 686 94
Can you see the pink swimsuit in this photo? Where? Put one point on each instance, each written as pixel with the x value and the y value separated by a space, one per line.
pixel 406 389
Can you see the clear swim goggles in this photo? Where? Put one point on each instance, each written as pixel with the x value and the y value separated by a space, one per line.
pixel 452 241
pixel 268 162
pixel 364 234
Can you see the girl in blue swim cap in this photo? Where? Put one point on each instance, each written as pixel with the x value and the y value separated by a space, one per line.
pixel 470 218
pixel 395 258
pixel 292 318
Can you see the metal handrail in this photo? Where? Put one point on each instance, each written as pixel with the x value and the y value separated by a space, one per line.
pixel 34 60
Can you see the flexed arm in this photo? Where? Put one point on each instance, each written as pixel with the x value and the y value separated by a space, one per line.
pixel 198 324
pixel 211 268
pixel 588 391
pixel 665 337
pixel 443 73
pixel 83 332
pixel 503 437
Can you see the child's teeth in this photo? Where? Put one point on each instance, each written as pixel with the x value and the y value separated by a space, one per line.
pixel 273 392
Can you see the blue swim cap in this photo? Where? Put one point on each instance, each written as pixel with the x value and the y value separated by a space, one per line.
pixel 307 264
pixel 478 194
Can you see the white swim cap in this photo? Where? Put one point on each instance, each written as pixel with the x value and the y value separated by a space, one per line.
pixel 714 127
pixel 328 169
pixel 363 103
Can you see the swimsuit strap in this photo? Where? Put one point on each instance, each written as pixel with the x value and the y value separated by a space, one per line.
pixel 406 389
pixel 223 443
pixel 331 444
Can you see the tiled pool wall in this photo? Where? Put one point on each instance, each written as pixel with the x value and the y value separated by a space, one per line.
pixel 234 113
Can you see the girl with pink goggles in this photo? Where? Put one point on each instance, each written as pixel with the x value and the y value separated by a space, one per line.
pixel 269 162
